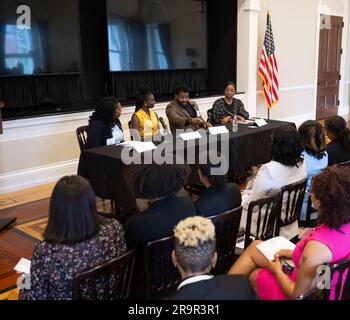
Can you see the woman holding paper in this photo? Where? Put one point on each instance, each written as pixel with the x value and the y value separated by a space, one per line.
pixel 329 243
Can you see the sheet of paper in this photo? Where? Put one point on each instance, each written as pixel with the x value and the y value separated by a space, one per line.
pixel 190 136
pixel 218 130
pixel 23 266
pixel 270 247
pixel 139 146
pixel 260 122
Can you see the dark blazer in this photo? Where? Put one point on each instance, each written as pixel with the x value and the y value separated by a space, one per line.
pixel 216 200
pixel 336 153
pixel 225 287
pixel 178 116
pixel 158 221
pixel 98 133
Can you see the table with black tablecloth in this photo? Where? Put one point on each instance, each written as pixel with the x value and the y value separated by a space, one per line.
pixel 104 168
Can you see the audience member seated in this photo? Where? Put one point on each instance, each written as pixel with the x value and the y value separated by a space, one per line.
pixel 184 114
pixel 287 167
pixel 315 156
pixel 339 148
pixel 219 196
pixel 75 240
pixel 144 121
pixel 159 184
pixel 195 257
pixel 329 243
pixel 219 114
pixel 104 126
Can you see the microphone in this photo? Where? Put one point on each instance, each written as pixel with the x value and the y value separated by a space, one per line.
pixel 165 127
pixel 161 120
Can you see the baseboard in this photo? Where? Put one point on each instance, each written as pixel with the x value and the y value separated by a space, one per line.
pixel 24 179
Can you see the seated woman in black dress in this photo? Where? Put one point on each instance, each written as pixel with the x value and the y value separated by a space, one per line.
pixel 75 240
pixel 339 149
pixel 159 184
pixel 104 126
pixel 219 115
pixel 219 196
pixel 195 257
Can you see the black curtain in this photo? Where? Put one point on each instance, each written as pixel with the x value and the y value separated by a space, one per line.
pixel 125 85
pixel 44 90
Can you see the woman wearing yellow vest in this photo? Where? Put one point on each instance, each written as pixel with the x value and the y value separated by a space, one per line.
pixel 144 121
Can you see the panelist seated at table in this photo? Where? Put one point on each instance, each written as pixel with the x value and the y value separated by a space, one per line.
pixel 224 108
pixel 104 126
pixel 184 113
pixel 144 122
pixel 219 196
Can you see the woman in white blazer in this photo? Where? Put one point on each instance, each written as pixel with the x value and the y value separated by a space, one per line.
pixel 287 166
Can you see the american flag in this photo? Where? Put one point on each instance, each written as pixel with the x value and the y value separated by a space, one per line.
pixel 268 69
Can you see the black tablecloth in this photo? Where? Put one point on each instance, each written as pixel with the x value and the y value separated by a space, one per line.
pixel 104 168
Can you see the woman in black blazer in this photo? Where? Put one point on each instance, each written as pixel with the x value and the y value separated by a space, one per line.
pixel 104 124
pixel 339 149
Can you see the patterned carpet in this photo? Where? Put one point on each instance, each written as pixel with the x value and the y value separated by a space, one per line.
pixel 33 230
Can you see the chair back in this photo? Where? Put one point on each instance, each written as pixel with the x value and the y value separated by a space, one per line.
pixel 162 278
pixel 130 131
pixel 309 223
pixel 265 213
pixel 290 204
pixel 226 230
pixel 210 115
pixel 81 134
pixel 339 283
pixel 109 281
pixel 344 164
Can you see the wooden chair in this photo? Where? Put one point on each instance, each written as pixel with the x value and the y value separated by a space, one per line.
pixel 266 211
pixel 81 134
pixel 113 278
pixel 309 223
pixel 290 204
pixel 340 284
pixel 210 115
pixel 226 229
pixel 162 278
pixel 344 164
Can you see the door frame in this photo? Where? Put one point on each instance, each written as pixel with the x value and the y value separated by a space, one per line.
pixel 327 11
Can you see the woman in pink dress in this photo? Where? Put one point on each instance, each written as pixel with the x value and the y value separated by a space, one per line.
pixel 329 243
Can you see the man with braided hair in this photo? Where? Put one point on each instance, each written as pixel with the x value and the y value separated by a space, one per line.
pixel 195 256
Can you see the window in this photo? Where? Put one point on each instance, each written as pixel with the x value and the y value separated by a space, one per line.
pixel 118 46
pixel 19 49
pixel 157 56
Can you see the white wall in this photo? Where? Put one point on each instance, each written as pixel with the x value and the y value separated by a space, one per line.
pixel 296 36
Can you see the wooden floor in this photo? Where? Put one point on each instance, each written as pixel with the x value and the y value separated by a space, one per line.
pixel 26 206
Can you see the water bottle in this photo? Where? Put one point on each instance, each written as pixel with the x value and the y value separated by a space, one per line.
pixel 235 124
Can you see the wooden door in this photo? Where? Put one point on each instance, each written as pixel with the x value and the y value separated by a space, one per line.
pixel 330 52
